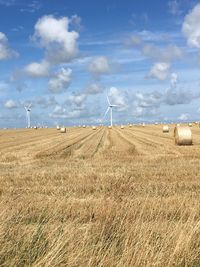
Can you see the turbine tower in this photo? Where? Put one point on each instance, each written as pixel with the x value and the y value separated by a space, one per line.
pixel 110 107
pixel 28 115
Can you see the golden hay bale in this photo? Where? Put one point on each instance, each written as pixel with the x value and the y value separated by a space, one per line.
pixel 84 126
pixel 63 130
pixel 165 129
pixel 143 124
pixel 130 125
pixel 93 127
pixel 109 127
pixel 190 124
pixel 122 127
pixel 58 127
pixel 35 127
pixel 183 135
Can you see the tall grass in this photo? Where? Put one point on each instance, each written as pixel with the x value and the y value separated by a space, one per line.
pixel 118 207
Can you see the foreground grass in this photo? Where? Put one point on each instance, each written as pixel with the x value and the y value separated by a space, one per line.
pixel 116 208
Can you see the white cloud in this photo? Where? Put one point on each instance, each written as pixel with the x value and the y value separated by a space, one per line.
pixel 54 35
pixel 37 69
pixel 78 100
pixel 141 112
pixel 117 98
pixel 94 89
pixel 99 65
pixel 60 81
pixel 159 71
pixel 174 79
pixel 133 40
pixel 31 7
pixel 183 117
pixel 191 27
pixel 46 101
pixel 10 104
pixel 169 53
pixel 59 110
pixel 61 113
pixel 7 2
pixel 174 7
pixel 147 100
pixel 5 51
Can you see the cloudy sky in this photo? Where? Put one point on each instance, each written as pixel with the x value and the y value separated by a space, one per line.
pixel 64 56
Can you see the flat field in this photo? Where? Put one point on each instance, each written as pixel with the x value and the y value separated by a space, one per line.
pixel 109 197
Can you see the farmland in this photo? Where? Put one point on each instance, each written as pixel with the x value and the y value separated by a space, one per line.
pixel 104 197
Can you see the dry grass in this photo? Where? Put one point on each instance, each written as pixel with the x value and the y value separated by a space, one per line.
pixel 108 197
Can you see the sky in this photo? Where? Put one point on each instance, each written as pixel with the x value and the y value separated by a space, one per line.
pixel 64 57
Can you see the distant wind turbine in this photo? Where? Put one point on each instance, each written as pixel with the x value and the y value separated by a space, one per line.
pixel 110 107
pixel 28 115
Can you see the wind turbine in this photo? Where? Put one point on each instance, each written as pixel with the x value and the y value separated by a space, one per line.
pixel 28 115
pixel 110 107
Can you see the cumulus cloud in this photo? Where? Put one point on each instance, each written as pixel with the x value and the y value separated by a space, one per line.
pixel 99 66
pixel 148 100
pixel 167 54
pixel 159 71
pixel 10 104
pixel 184 117
pixel 46 102
pixel 94 88
pixel 148 104
pixel 60 112
pixel 141 112
pixel 54 35
pixel 174 79
pixel 78 99
pixel 191 27
pixel 116 97
pixel 37 69
pixel 179 96
pixel 5 51
pixel 60 81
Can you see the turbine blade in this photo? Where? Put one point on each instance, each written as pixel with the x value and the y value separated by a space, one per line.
pixel 108 100
pixel 106 113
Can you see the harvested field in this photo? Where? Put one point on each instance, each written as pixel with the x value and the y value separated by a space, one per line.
pixel 108 197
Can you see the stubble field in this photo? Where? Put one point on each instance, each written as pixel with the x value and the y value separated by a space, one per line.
pixel 109 197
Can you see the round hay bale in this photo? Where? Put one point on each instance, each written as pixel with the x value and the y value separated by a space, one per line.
pixel 35 127
pixel 183 136
pixel 109 127
pixel 130 125
pixel 122 127
pixel 143 124
pixel 84 126
pixel 58 127
pixel 165 129
pixel 63 130
pixel 190 124
pixel 93 127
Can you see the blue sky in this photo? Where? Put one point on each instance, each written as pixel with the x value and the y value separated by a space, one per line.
pixel 65 56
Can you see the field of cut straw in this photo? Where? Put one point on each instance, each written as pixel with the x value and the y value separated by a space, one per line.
pixel 109 197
